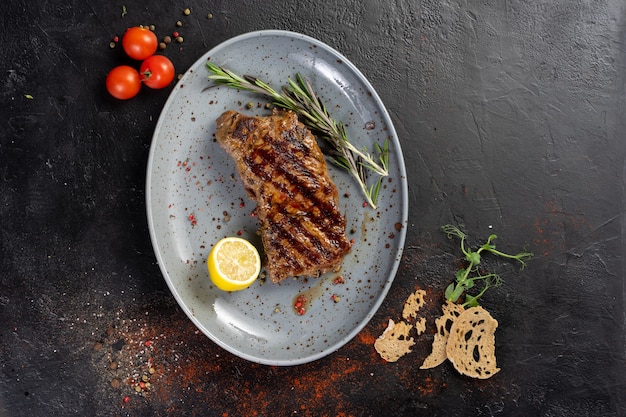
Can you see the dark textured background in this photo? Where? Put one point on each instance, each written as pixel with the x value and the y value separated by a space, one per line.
pixel 511 116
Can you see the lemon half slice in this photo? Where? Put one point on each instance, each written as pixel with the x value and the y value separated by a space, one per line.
pixel 234 264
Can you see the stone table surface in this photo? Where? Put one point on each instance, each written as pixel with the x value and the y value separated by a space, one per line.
pixel 511 117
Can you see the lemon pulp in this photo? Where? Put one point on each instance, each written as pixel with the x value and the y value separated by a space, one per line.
pixel 233 264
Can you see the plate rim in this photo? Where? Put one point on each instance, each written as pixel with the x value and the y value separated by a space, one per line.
pixel 403 181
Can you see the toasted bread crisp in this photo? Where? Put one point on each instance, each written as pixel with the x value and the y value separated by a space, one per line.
pixel 471 343
pixel 395 342
pixel 444 323
pixel 412 304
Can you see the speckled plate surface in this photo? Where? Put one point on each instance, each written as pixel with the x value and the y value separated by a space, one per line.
pixel 194 198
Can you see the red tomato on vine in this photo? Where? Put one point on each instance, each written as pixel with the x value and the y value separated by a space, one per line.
pixel 157 72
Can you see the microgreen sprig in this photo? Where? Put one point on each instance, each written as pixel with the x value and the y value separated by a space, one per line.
pixel 467 278
pixel 300 97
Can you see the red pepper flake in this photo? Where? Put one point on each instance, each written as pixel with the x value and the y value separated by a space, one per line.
pixel 142 384
pixel 338 280
pixel 301 311
pixel 242 204
pixel 365 204
pixel 149 342
pixel 192 219
pixel 239 232
pixel 126 399
pixel 116 39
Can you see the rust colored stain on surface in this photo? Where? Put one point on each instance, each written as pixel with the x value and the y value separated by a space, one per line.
pixel 555 226
pixel 187 368
pixel 183 368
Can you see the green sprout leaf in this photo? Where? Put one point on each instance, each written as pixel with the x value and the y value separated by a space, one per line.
pixel 469 277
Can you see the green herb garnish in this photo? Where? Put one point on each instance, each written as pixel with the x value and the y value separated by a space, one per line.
pixel 299 97
pixel 469 277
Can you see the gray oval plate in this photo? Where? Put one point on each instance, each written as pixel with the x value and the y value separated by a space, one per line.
pixel 194 198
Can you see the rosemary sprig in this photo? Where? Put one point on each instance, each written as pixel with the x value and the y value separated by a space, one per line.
pixel 300 97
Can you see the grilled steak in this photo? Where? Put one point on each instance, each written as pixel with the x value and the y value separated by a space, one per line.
pixel 284 171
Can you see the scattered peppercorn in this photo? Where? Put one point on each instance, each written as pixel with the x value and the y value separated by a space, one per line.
pixel 249 105
pixel 162 45
pixel 152 28
pixel 179 23
pixel 179 39
pixel 299 305
pixel 167 39
pixel 338 280
pixel 187 12
pixel 112 45
pixel 210 16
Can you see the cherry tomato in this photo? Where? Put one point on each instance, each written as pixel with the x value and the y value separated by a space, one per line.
pixel 123 82
pixel 139 42
pixel 157 71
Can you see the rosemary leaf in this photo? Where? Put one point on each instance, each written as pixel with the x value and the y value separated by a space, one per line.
pixel 300 97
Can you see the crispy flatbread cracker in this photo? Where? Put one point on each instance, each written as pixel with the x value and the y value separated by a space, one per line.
pixel 420 325
pixel 412 304
pixel 471 343
pixel 395 341
pixel 444 323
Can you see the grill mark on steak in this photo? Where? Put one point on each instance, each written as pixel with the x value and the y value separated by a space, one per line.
pixel 284 171
pixel 280 163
